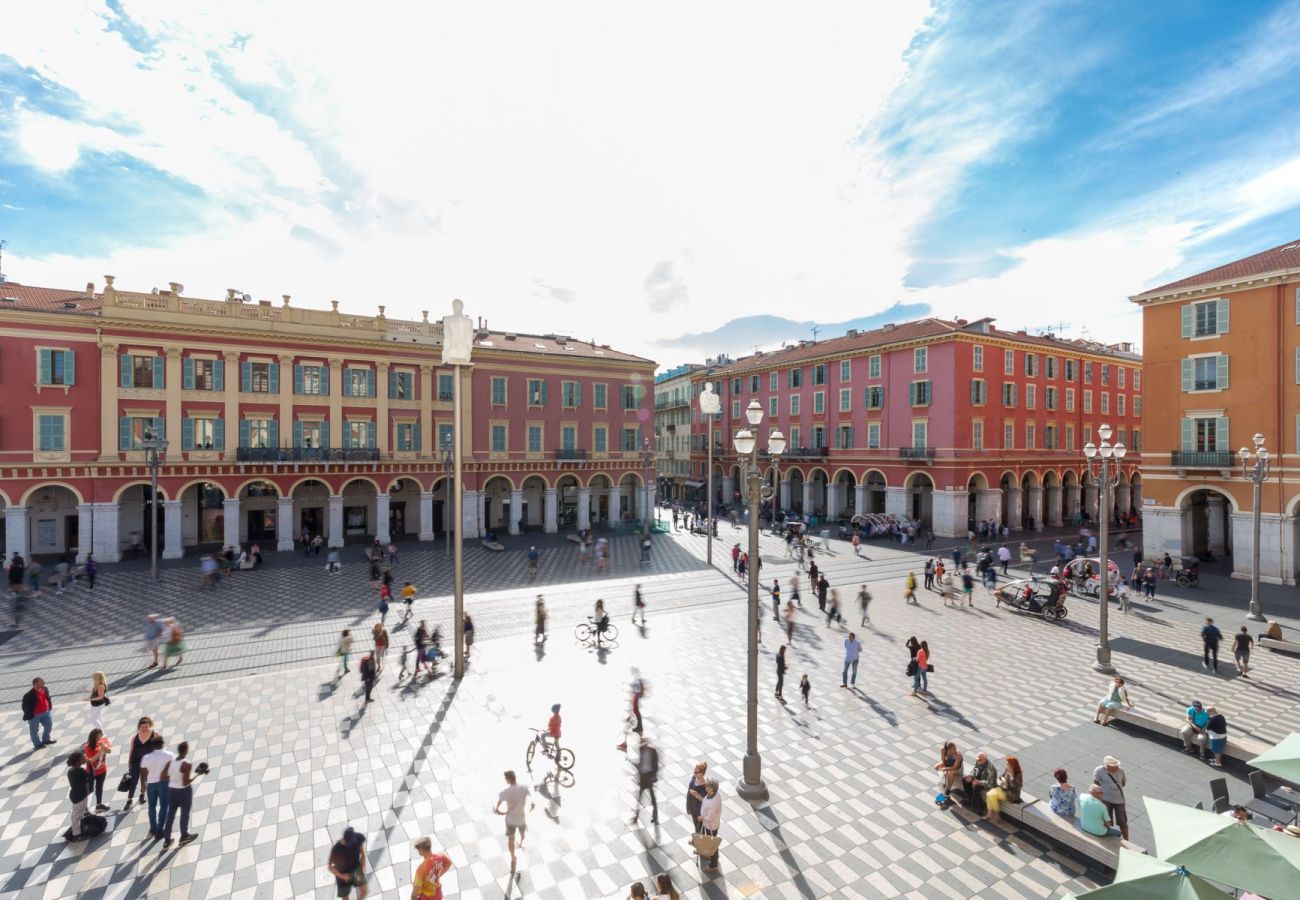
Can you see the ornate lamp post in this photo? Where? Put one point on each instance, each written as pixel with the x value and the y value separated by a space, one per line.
pixel 457 344
pixel 647 460
pixel 448 462
pixel 751 786
pixel 1101 473
pixel 155 453
pixel 1256 474
pixel 710 406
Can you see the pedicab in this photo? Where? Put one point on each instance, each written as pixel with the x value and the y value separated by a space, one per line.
pixel 1038 598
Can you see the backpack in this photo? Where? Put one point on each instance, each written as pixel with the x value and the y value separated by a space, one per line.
pixel 93 826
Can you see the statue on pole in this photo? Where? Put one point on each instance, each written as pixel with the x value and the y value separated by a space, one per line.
pixel 710 403
pixel 457 336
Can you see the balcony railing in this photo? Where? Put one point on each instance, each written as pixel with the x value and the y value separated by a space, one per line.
pixel 1195 459
pixel 922 453
pixel 807 452
pixel 306 454
pixel 570 455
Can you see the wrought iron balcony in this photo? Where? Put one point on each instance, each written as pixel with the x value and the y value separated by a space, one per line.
pixel 922 453
pixel 806 453
pixel 571 455
pixel 306 454
pixel 1196 459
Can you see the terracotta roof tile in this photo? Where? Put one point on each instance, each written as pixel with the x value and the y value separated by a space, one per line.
pixel 23 296
pixel 553 345
pixel 1283 256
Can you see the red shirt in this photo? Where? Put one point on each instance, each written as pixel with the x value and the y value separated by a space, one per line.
pixel 553 725
pixel 42 702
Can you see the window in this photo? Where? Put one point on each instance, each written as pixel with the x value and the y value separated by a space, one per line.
pixel 1105 375
pixel 1050 364
pixel 846 399
pixel 1087 434
pixel 794 378
pixel 875 396
pixel 311 380
pixel 570 394
pixel 1137 379
pixel 873 366
pixel 793 440
pixel 407 436
pixel 446 435
pixel 1008 436
pixel 1070 366
pixel 568 437
pixel 599 396
pixel 311 435
pixel 1008 362
pixel 1135 441
pixel 537 392
pixel 1049 398
pixel 203 434
pixel 1119 375
pixel 447 387
pixel 794 406
pixel 1031 365
pixel 919 393
pixel 401 385
pixel 844 437
pixel 359 382
pixel 498 391
pixel 499 444
pixel 630 439
pixel 1069 437
pixel 1087 401
pixel 818 437
pixel 132 430
pixel 735 386
pixel 259 378
pixel 1105 403
pixel 1121 435
pixel 753 384
pixel 1208 435
pixel 56 367
pixel 358 434
pixel 600 439
pixel 977 435
pixel 1205 373
pixel 1137 407
pixel 735 409
pixel 846 370
pixel 1205 318
pixel 920 435
pixel 1009 394
pixel 631 396
pixel 1031 436
pixel 534 438
pixel 773 406
pixel 1069 399
pixel 979 391
pixel 977 358
pixel 1087 373
pixel 258 433
pixel 142 371
pixel 819 402
pixel 773 381
pixel 1050 438
pixel 873 435
pixel 920 360
pixel 1031 396
pixel 51 431
pixel 819 375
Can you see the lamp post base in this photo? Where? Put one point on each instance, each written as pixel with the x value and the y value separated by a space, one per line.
pixel 751 788
pixel 1103 664
pixel 1256 613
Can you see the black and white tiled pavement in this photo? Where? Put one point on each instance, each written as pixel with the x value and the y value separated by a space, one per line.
pixel 296 756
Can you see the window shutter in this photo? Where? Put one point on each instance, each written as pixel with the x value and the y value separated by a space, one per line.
pixel 187 373
pixel 273 433
pixel 1223 316
pixel 416 444
pixel 370 434
pixel 69 367
pixel 347 437
pixel 325 434
pixel 911 394
pixel 159 373
pixel 245 431
pixel 974 391
pixel 297 432
pixel 297 380
pixel 124 433
pixel 1221 443
pixel 1188 436
pixel 125 365
pixel 1188 314
pixel 325 381
pixel 1297 365
pixel 1187 374
pixel 246 379
pixel 849 438
pixel 45 367
pixel 159 427
pixel 372 382
pixel 219 375
pixel 1297 306
pixel 392 385
pixel 347 382
pixel 273 377
pixel 1221 371
pixel 577 394
pixel 544 393
pixel 219 434
pixel 187 433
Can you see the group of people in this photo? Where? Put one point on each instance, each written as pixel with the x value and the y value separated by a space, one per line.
pixel 164 639
pixel 24 579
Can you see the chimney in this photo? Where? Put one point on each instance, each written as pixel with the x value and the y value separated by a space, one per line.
pixel 285 299
pixel 962 322
pixel 90 288
pixel 176 287
pixel 852 332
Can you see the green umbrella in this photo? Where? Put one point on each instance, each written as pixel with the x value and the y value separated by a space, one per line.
pixel 1142 877
pixel 1224 850
pixel 1283 760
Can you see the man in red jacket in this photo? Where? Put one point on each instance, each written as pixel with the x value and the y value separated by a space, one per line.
pixel 36 712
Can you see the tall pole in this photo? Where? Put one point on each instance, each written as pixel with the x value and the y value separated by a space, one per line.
pixel 1257 474
pixel 1103 663
pixel 708 522
pixel 153 514
pixel 458 583
pixel 446 491
pixel 752 787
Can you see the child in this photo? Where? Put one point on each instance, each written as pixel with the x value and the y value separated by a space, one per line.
pixel 805 688
pixel 345 647
pixel 408 597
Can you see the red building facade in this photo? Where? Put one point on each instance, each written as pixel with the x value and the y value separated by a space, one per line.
pixel 949 422
pixel 282 419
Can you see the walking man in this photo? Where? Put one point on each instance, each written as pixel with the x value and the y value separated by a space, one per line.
pixel 638 605
pixel 864 602
pixel 1210 637
pixel 1241 645
pixel 36 713
pixel 368 673
pixel 426 883
pixel 153 628
pixel 852 652
pixel 512 797
pixel 647 773
pixel 1004 557
pixel 929 574
pixel 776 600
pixel 822 587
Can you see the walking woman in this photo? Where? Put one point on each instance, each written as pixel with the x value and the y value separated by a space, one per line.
pixel 181 795
pixel 794 591
pixel 98 700
pixel 175 642
pixel 539 623
pixel 920 678
pixel 380 635
pixel 790 616
pixel 468 628
pixel 141 744
pixel 96 752
pixel 780 672
pixel 344 648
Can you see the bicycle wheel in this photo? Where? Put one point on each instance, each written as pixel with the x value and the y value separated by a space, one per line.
pixel 528 757
pixel 582 633
pixel 611 633
pixel 565 759
pixel 564 778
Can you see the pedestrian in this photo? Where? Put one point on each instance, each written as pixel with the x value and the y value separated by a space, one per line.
pixel 864 603
pixel 1241 644
pixel 794 591
pixel 909 588
pixel 1210 637
pixel 647 773
pixel 822 587
pixel 857 542
pixel 96 752
pixel 947 588
pixel 805 688
pixel 380 635
pixel 645 548
pixel 780 672
pixel 929 574
pixel 664 889
pixel 78 793
pixel 153 628
pixel 1113 781
pixel 157 788
pixel 180 797
pixel 1216 732
pixel 512 797
pixel 710 822
pixel 17 573
pixel 408 597
pixel 790 616
pixel 776 600
pixel 813 582
pixel 344 648
pixel 920 667
pixel 392 554
pixel 968 587
pixel 1004 557
pixel 852 652
pixel 98 700
pixel 533 558
pixel 695 794
pixel 539 621
pixel 735 558
pixel 743 565
pixel 90 570
pixel 426 883
pixel 140 745
pixel 332 563
pixel 468 629
pixel 638 605
pixel 833 609
pixel 347 863
pixel 173 638
pixel 61 570
pixel 37 713
pixel 1150 583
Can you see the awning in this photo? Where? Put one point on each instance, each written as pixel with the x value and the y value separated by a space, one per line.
pixel 694 484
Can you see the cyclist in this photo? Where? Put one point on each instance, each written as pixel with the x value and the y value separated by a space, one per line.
pixel 552 735
pixel 600 620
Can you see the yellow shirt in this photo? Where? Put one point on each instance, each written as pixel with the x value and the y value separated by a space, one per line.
pixel 408 592
pixel 427 881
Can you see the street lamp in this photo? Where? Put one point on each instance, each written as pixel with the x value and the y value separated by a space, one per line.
pixel 647 460
pixel 457 345
pixel 448 462
pixel 155 452
pixel 751 787
pixel 1100 473
pixel 1256 474
pixel 710 406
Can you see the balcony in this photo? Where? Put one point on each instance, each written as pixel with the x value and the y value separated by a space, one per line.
pixel 806 453
pixel 921 454
pixel 570 455
pixel 306 454
pixel 1195 459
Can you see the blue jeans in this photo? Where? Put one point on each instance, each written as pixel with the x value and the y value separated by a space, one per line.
pixel 920 680
pixel 45 722
pixel 1110 831
pixel 853 664
pixel 179 799
pixel 159 802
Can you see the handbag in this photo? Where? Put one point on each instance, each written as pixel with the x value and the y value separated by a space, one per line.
pixel 911 667
pixel 929 667
pixel 706 844
pixel 124 784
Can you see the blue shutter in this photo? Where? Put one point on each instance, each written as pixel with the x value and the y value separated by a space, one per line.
pixel 418 443
pixel 69 367
pixel 392 385
pixel 187 373
pixel 1221 372
pixel 124 433
pixel 325 380
pixel 273 433
pixel 246 379
pixel 219 375
pixel 1297 365
pixel 1188 314
pixel 544 392
pixel 1222 316
pixel 324 434
pixel 125 365
pixel 370 435
pixel 297 381
pixel 347 437
pixel 187 433
pixel 577 394
pixel 372 382
pixel 1187 375
pixel 159 428
pixel 273 377
pixel 297 433
pixel 245 431
pixel 850 444
pixel 347 382
pixel 911 394
pixel 1221 444
pixel 45 367
pixel 219 434
pixel 159 372
pixel 1188 435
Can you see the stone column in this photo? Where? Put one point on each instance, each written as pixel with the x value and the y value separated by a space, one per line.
pixel 335 525
pixel 1071 503
pixel 481 523
pixel 1243 547
pixel 784 498
pixel 109 380
pixel 172 382
pixel 808 507
pixel 898 501
pixel 173 544
pixel 1216 529
pixel 1054 505
pixel 1015 508
pixel 549 523
pixel 230 415
pixel 230 513
pixel 106 546
pixel 85 530
pixel 988 504
pixel 516 504
pixel 948 512
pixel 17 532
pixel 1090 493
pixel 860 501
pixel 284 529
pixel 642 508
pixel 1122 499
pixel 381 518
pixel 584 508
pixel 613 497
pixel 336 407
pixel 832 500
pixel 426 516
pixel 381 413
pixel 1036 507
pixel 286 403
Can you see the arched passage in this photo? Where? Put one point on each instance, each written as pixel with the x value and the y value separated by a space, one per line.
pixel 876 486
pixel 566 499
pixel 496 503
pixel 844 499
pixel 1206 518
pixel 403 509
pixel 259 509
pixel 203 515
pixel 817 483
pixel 53 523
pixel 796 479
pixel 532 492
pixel 920 498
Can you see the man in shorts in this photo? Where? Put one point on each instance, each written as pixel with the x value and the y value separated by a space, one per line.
pixel 513 797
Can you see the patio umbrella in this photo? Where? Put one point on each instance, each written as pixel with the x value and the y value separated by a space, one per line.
pixel 1283 760
pixel 1224 850
pixel 1142 877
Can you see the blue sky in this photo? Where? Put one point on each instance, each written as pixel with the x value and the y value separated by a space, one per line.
pixel 641 178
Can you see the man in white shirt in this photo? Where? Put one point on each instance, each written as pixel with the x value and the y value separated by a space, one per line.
pixel 159 796
pixel 513 796
pixel 852 651
pixel 1004 557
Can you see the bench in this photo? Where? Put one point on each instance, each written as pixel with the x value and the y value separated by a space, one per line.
pixel 1238 747
pixel 493 546
pixel 1279 644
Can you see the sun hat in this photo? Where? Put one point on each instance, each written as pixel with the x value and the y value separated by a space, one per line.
pixel 1110 761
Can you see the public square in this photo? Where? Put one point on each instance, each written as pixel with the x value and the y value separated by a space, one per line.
pixel 296 755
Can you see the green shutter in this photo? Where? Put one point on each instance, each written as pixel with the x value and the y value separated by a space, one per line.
pixel 246 380
pixel 370 435
pixel 347 381
pixel 324 434
pixel 187 373
pixel 1188 435
pixel 159 428
pixel 392 385
pixel 273 377
pixel 219 375
pixel 124 433
pixel 911 394
pixel 325 381
pixel 125 367
pixel 417 443
pixel 1188 316
pixel 219 434
pixel 544 393
pixel 1221 442
pixel 297 383
pixel 1297 365
pixel 187 433
pixel 273 433
pixel 1187 375
pixel 577 394
pixel 297 432
pixel 1221 372
pixel 45 367
pixel 1223 316
pixel 245 432
pixel 372 382
pixel 159 373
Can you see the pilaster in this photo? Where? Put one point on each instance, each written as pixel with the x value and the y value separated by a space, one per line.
pixel 584 508
pixel 172 385
pixel 107 547
pixel 109 374
pixel 382 427
pixel 383 532
pixel 230 518
pixel 17 532
pixel 335 536
pixel 85 530
pixel 336 412
pixel 549 523
pixel 426 516
pixel 284 529
pixel 231 413
pixel 173 544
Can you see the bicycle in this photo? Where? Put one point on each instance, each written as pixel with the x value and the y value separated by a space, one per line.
pixel 586 634
pixel 563 758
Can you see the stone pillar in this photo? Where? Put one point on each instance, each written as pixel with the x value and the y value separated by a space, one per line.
pixel 808 507
pixel 832 501
pixel 335 536
pixel 516 504
pixel 85 530
pixel 173 544
pixel 949 513
pixel 1090 500
pixel 472 512
pixel 584 508
pixel 1071 503
pixel 550 514
pixel 1015 508
pixel 898 501
pixel 988 504
pixel 1216 530
pixel 613 498
pixel 1123 499
pixel 109 380
pixel 17 532
pixel 642 502
pixel 1270 547
pixel 1054 505
pixel 382 426
pixel 336 409
pixel 230 412
pixel 106 546
pixel 426 516
pixel 382 533
pixel 784 498
pixel 860 501
pixel 481 526
pixel 172 382
pixel 284 529
pixel 1036 507
pixel 230 513
pixel 1162 532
